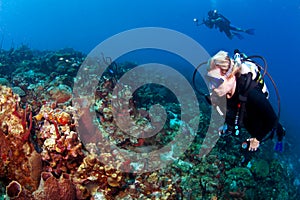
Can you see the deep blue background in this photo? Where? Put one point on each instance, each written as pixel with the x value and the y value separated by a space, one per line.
pixel 82 25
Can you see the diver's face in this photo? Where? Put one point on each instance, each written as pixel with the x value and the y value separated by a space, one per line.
pixel 222 67
pixel 216 77
pixel 214 82
pixel 220 83
pixel 223 72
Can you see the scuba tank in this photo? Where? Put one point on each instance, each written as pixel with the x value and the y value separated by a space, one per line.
pixel 249 66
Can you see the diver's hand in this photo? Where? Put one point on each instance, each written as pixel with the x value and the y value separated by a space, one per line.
pixel 253 144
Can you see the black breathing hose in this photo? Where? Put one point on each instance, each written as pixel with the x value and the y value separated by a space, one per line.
pixel 194 80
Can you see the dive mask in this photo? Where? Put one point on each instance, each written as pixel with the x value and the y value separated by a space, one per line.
pixel 214 82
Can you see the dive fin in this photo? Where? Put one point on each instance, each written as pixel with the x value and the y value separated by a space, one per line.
pixel 238 35
pixel 250 31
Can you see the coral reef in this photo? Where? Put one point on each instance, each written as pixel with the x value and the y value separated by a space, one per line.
pixel 45 154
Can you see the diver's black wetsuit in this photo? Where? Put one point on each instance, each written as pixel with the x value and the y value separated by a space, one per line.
pixel 259 117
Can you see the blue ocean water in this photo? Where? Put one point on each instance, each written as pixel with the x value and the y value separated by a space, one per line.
pixel 82 25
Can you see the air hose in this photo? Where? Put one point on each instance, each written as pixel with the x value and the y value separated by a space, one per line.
pixel 194 79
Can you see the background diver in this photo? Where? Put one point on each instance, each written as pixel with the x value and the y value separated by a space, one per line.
pixel 217 20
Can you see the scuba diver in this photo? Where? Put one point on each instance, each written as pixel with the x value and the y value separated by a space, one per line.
pixel 240 80
pixel 217 20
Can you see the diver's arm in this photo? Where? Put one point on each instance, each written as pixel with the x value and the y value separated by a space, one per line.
pixel 208 23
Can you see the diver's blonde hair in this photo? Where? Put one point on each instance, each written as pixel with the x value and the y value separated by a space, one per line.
pixel 222 61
